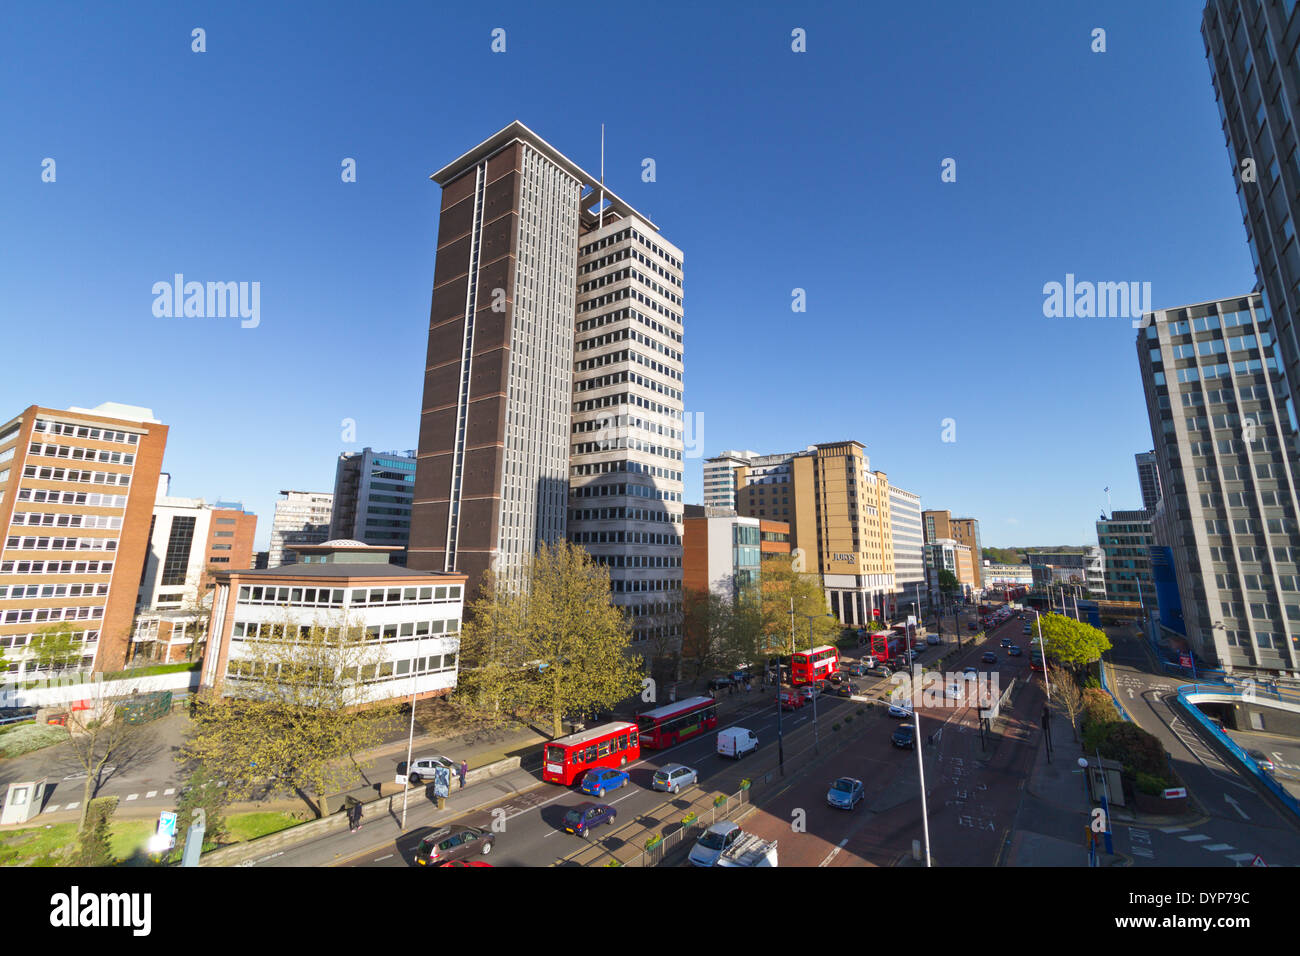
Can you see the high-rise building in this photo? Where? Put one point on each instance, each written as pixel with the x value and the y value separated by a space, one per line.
pixel 230 536
pixel 939 525
pixel 553 386
pixel 1148 478
pixel 372 498
pixel 1125 537
pixel 720 478
pixel 301 517
pixel 1255 71
pixel 948 554
pixel 909 548
pixel 173 572
pixel 1084 569
pixel 839 514
pixel 1216 397
pixel 77 491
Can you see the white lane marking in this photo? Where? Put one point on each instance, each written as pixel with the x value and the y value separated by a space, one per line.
pixel 52 808
pixel 132 796
pixel 1173 830
pixel 1196 838
pixel 378 858
pixel 1236 806
pixel 1138 851
pixel 73 805
pixel 169 791
pixel 1241 857
pixel 151 794
pixel 1219 847
pixel 834 853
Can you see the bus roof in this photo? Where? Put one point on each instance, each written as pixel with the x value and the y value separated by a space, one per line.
pixel 669 710
pixel 587 735
pixel 816 650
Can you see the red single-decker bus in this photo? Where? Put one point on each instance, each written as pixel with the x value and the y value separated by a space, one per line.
pixel 665 726
pixel 565 759
pixel 807 667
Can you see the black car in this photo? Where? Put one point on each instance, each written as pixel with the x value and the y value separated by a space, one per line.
pixel 1006 642
pixel 845 689
pixel 584 816
pixel 720 683
pixel 988 657
pixel 1014 651
pixel 904 737
pixel 453 843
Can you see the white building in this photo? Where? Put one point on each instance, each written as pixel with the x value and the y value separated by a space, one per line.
pixel 909 550
pixel 301 517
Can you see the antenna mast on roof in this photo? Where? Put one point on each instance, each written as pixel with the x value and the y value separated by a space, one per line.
pixel 602 177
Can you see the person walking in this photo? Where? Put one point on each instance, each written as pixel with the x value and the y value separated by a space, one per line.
pixel 354 814
pixel 461 771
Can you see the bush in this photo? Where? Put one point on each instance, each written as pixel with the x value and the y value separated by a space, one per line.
pixel 1090 681
pixel 1098 708
pixel 1151 784
pixel 1139 751
pixel 835 726
pixel 93 848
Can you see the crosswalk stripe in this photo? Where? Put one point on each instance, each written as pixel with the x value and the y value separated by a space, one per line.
pixel 1195 838
pixel 1239 857
pixel 1137 851
pixel 132 796
pixel 169 791
pixel 51 808
pixel 1219 847
pixel 151 794
pixel 1174 830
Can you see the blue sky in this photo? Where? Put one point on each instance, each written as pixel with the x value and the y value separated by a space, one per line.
pixel 775 170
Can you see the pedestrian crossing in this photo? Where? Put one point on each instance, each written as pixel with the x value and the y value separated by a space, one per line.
pixel 1140 844
pixel 55 807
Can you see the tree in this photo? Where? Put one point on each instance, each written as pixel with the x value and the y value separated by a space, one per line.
pixel 1067 696
pixel 93 846
pixel 97 739
pixel 779 583
pixel 948 583
pixel 491 682
pixel 562 644
pixel 201 792
pixel 1072 642
pixel 55 648
pixel 294 711
pixel 721 632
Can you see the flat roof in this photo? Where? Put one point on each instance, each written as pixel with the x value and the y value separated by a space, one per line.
pixel 326 570
pixel 669 709
pixel 583 736
pixel 517 131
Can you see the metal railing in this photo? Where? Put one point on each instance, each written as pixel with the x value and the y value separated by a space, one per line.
pixel 690 828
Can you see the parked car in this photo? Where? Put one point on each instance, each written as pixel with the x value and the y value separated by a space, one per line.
pixel 1014 650
pixel 453 842
pixel 584 816
pixel 932 639
pixel 904 736
pixel 600 779
pixel 1261 760
pixel 673 777
pixel 713 842
pixel 845 793
pixel 422 768
pixel 901 708
pixel 988 657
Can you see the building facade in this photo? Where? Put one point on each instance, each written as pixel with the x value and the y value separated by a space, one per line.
pixel 1148 479
pixel 724 552
pixel 411 619
pixel 1125 537
pixel 1085 569
pixel 301 517
pixel 720 478
pixel 372 498
pixel 1216 396
pixel 553 387
pixel 908 536
pixel 77 491
pixel 949 554
pixel 940 525
pixel 839 514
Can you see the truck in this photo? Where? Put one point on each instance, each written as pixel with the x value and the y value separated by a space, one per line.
pixel 749 850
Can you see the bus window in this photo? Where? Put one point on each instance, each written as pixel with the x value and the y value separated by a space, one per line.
pixel 603 749
pixel 622 742
pixel 591 754
pixel 634 738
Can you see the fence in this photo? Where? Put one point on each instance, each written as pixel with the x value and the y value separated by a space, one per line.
pixel 1105 685
pixel 1185 695
pixel 691 828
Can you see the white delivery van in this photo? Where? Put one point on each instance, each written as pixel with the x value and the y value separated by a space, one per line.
pixel 736 742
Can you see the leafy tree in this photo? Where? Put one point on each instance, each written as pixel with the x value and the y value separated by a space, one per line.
pixel 93 846
pixel 294 711
pixel 1072 642
pixel 705 630
pixel 55 648
pixel 492 681
pixel 948 583
pixel 779 584
pixel 564 646
pixel 97 739
pixel 201 792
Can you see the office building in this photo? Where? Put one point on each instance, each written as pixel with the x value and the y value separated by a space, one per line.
pixel 1216 397
pixel 1255 70
pixel 553 386
pixel 948 554
pixel 1084 569
pixel 301 517
pixel 839 515
pixel 720 478
pixel 77 491
pixel 909 550
pixel 939 525
pixel 1148 479
pixel 372 498
pixel 411 619
pixel 724 552
pixel 1006 575
pixel 1125 537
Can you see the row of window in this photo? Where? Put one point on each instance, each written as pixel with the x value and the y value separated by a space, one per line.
pixel 56 567
pixel 628 444
pixel 637 560
pixel 633 491
pixel 621 514
pixel 34 519
pixel 623 275
pixel 625 421
pixel 630 293
pixel 624 235
pixel 83 431
pixel 621 586
pixel 624 537
pixel 1223 370
pixel 628 313
pixel 623 335
pixel 104 457
pixel 40 614
pixel 22 640
pixel 88 499
pixel 20 592
pixel 270 631
pixel 1250 526
pixel 631 467
pixel 627 398
pixel 362 673
pixel 627 355
pixel 359 597
pixel 76 474
pixel 60 544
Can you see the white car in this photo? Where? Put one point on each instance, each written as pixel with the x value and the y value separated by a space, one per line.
pixel 715 840
pixel 422 768
pixel 901 709
pixel 952 692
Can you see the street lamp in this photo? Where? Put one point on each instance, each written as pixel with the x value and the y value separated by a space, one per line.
pixel 410 736
pixel 816 738
pixel 920 760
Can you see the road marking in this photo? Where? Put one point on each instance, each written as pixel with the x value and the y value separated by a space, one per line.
pixel 379 858
pixel 1240 857
pixel 51 808
pixel 1195 838
pixel 151 794
pixel 132 796
pixel 1174 830
pixel 834 853
pixel 73 805
pixel 1219 847
pixel 1236 806
pixel 1138 851
pixel 169 791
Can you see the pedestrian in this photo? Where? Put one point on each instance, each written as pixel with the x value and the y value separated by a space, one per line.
pixel 462 770
pixel 354 814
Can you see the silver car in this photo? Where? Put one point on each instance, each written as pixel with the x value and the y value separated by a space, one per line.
pixel 845 793
pixel 674 777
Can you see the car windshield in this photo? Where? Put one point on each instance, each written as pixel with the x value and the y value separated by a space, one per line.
pixel 573 816
pixel 713 840
pixel 842 785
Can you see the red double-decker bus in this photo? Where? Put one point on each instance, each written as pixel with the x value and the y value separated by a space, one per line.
pixel 610 745
pixel 665 726
pixel 820 663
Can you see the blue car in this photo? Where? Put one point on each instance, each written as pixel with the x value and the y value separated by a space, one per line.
pixel 845 793
pixel 596 782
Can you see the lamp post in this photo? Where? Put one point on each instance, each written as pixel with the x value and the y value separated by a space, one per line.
pixel 1042 650
pixel 816 738
pixel 920 761
pixel 410 736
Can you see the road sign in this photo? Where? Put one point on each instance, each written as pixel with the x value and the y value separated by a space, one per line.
pixel 400 779
pixel 1173 793
pixel 1258 861
pixel 1184 660
pixel 167 827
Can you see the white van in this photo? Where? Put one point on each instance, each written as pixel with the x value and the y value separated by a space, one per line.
pixel 736 742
